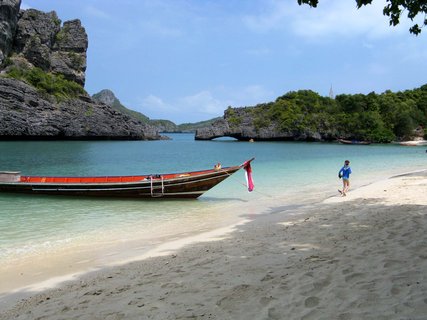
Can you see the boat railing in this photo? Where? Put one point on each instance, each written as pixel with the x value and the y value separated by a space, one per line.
pixel 157 187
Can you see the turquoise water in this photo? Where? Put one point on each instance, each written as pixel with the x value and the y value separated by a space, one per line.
pixel 284 173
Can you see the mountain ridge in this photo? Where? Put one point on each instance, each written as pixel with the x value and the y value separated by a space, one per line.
pixel 108 97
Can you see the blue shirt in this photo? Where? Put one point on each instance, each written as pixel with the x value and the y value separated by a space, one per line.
pixel 345 171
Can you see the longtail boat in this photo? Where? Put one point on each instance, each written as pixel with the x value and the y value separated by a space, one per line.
pixel 173 185
pixel 359 142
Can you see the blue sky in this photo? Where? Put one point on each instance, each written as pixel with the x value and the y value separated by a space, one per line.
pixel 188 60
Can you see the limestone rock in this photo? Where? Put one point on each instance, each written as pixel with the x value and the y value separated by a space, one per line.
pixel 106 96
pixel 219 128
pixel 36 24
pixel 24 114
pixel 8 20
pixel 239 123
pixel 72 37
pixel 42 41
pixel 34 39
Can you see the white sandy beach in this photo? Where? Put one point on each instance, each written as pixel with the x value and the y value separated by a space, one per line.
pixel 363 256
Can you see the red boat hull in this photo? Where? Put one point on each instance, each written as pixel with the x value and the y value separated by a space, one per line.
pixel 179 185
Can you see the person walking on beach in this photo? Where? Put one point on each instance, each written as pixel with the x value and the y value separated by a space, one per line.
pixel 344 173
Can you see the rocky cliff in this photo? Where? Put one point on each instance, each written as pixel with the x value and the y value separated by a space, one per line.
pixel 25 115
pixel 107 96
pixel 41 41
pixel 43 63
pixel 241 124
pixel 9 10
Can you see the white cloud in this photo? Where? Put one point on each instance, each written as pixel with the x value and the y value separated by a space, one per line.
pixel 250 95
pixel 185 109
pixel 203 105
pixel 213 103
pixel 273 17
pixel 154 103
pixel 204 102
pixel 343 19
pixel 330 19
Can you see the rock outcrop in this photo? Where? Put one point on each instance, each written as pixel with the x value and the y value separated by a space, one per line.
pixel 42 41
pixel 33 40
pixel 107 96
pixel 25 115
pixel 9 10
pixel 239 123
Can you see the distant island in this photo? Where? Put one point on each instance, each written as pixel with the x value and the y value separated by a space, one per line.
pixel 42 96
pixel 106 96
pixel 304 115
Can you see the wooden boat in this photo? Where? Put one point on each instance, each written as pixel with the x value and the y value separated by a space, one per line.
pixel 353 142
pixel 174 185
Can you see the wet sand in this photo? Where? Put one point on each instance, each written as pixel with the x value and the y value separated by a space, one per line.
pixel 357 257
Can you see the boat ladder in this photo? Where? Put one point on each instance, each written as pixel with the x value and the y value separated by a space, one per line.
pixel 155 188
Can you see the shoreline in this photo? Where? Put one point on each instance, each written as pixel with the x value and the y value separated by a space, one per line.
pixel 351 257
pixel 28 275
pixel 38 273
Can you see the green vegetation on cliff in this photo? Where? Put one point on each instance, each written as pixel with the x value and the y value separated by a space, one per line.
pixel 374 117
pixel 47 83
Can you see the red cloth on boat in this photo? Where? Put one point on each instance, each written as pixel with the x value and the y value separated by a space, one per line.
pixel 248 174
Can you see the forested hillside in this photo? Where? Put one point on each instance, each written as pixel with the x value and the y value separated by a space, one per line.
pixel 375 117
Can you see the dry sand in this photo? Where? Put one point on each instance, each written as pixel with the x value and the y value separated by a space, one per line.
pixel 363 256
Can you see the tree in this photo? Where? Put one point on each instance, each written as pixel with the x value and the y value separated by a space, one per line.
pixel 393 9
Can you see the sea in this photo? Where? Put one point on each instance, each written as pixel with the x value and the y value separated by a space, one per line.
pixel 285 174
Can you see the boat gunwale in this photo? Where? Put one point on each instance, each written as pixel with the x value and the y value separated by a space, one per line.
pixel 186 176
pixel 123 188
